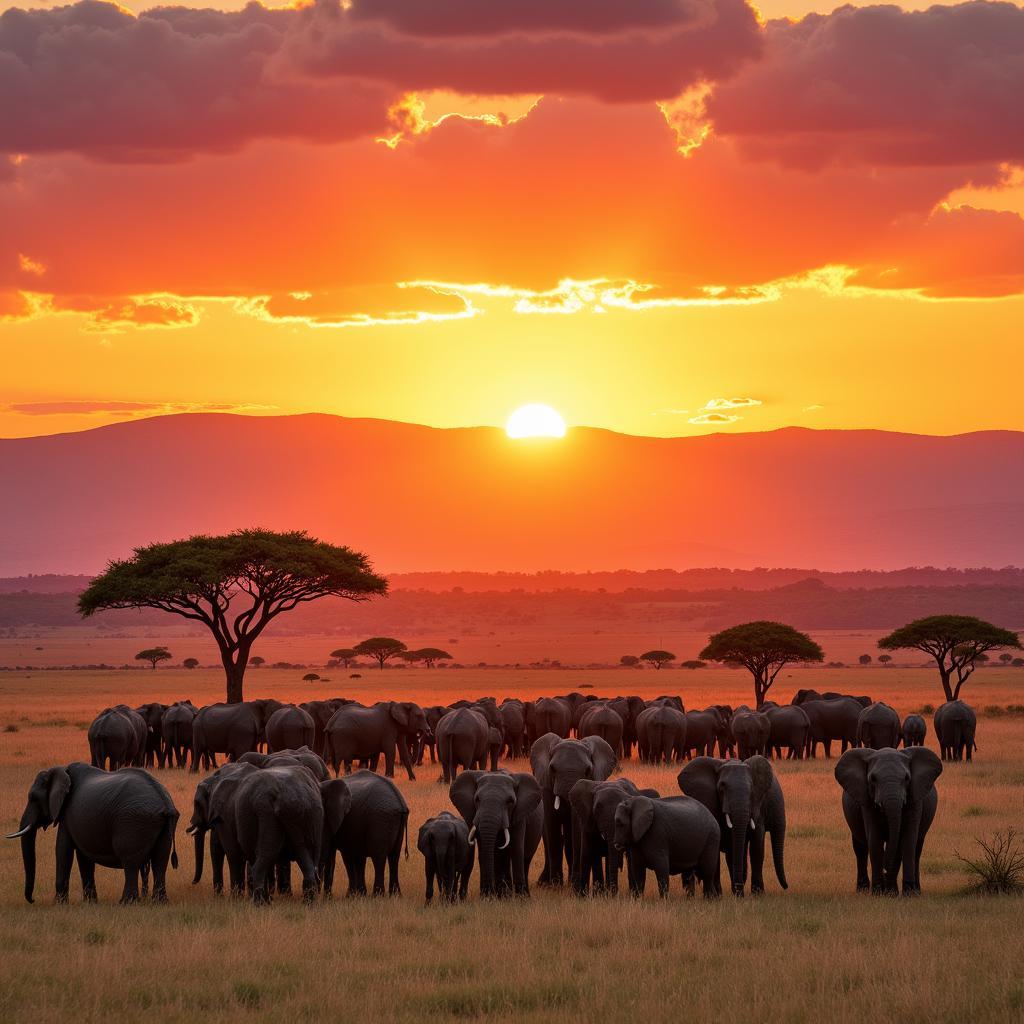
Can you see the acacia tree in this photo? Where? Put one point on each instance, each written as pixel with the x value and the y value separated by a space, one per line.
pixel 380 648
pixel 430 655
pixel 764 649
pixel 629 660
pixel 956 642
pixel 154 655
pixel 345 655
pixel 658 658
pixel 865 659
pixel 235 584
pixel 191 663
pixel 884 659
pixel 257 662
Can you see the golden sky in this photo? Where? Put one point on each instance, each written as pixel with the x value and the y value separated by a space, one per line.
pixel 660 217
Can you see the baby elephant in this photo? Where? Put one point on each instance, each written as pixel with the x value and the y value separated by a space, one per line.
pixel 913 731
pixel 673 836
pixel 447 854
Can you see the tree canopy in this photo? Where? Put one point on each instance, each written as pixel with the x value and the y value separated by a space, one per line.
pixel 154 655
pixel 956 642
pixel 345 655
pixel 658 658
pixel 693 663
pixel 191 663
pixel 380 648
pixel 629 660
pixel 429 655
pixel 235 584
pixel 763 648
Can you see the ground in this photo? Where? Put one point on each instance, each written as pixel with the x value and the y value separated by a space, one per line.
pixel 816 952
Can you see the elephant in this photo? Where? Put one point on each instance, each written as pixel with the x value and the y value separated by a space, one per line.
pixel 913 731
pixel 629 708
pixel 672 700
pixel 723 731
pixel 301 755
pixel 231 729
pixel 889 802
pixel 123 819
pixel 463 739
pixel 289 728
pixel 153 750
pixel 548 714
pixel 580 707
pixel 831 720
pixel 366 733
pixel 117 737
pixel 751 731
pixel 505 816
pixel 594 805
pixel 746 799
pixel 598 719
pixel 365 817
pixel 513 720
pixel 321 711
pixel 279 816
pixel 863 701
pixel 955 724
pixel 703 729
pixel 790 728
pixel 878 726
pixel 176 730
pixel 671 836
pixel 661 734
pixel 213 812
pixel 558 764
pixel 263 708
pixel 447 856
pixel 428 738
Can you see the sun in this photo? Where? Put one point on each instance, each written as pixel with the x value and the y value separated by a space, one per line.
pixel 535 420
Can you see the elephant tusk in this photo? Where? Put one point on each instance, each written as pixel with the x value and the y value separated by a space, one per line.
pixel 753 824
pixel 728 820
pixel 18 835
pixel 472 835
pixel 191 830
pixel 558 802
pixel 508 839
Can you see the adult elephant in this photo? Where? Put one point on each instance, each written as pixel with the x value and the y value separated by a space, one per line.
pixel 153 748
pixel 300 755
pixel 213 814
pixel 231 729
pixel 117 738
pixel 752 732
pixel 702 731
pixel 790 728
pixel 955 724
pixel 365 818
pixel 723 729
pixel 831 721
pixel 321 711
pixel 629 708
pixel 279 816
pixel 661 734
pixel 878 726
pixel 913 731
pixel 463 739
pixel 428 738
pixel 123 819
pixel 558 764
pixel 289 728
pixel 505 815
pixel 889 802
pixel 746 799
pixel 366 733
pixel 549 715
pixel 862 700
pixel 263 708
pixel 597 719
pixel 176 730
pixel 594 804
pixel 513 721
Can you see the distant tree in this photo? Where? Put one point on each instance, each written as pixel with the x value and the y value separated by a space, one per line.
pixel 694 664
pixel 629 660
pixel 409 657
pixel 1005 658
pixel 154 655
pixel 345 655
pixel 235 585
pixel 956 642
pixel 884 659
pixel 257 662
pixel 1017 663
pixel 658 658
pixel 310 677
pixel 764 649
pixel 380 648
pixel 191 663
pixel 430 655
pixel 865 659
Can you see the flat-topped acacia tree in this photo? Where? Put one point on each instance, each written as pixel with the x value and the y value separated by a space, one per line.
pixel 235 585
pixel 763 648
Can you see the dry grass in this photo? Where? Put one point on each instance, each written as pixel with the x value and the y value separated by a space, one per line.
pixel 816 952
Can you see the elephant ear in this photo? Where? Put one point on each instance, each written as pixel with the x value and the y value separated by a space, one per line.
pixel 423 839
pixel 462 793
pixel 852 773
pixel 925 768
pixel 527 795
pixel 540 757
pixel 400 713
pixel 58 786
pixel 602 757
pixel 581 796
pixel 699 779
pixel 641 817
pixel 652 793
pixel 337 800
pixel 761 776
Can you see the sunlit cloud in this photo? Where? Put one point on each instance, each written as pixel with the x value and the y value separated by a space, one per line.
pixel 129 409
pixel 731 403
pixel 713 419
pixel 30 266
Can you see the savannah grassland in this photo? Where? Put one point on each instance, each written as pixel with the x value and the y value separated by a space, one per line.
pixel 818 952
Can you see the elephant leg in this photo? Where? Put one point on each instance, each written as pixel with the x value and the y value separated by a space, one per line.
pixel 284 876
pixel 429 868
pixel 307 865
pixel 378 875
pixel 87 873
pixel 637 874
pixel 217 863
pixel 403 753
pixel 394 889
pixel 355 868
pixel 144 875
pixel 660 869
pixel 756 860
pixel 65 857
pixel 159 857
pixel 389 760
pixel 130 893
pixel 262 872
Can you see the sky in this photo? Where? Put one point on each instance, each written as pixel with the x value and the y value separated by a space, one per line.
pixel 661 217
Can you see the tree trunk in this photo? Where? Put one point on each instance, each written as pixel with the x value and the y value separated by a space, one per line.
pixel 235 675
pixel 945 684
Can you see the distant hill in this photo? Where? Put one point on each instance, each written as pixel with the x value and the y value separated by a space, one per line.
pixel 418 499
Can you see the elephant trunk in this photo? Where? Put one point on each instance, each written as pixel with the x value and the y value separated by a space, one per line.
pixel 893 808
pixel 739 855
pixel 778 854
pixel 27 834
pixel 200 842
pixel 487 829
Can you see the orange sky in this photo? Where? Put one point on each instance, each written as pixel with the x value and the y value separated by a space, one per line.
pixel 661 217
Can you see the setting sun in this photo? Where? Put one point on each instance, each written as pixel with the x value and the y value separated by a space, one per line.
pixel 535 420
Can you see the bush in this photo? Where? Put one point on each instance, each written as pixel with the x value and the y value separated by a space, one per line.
pixel 10 727
pixel 999 868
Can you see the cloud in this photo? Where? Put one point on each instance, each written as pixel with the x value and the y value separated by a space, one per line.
pixel 102 313
pixel 126 409
pixel 731 403
pixel 885 86
pixel 711 419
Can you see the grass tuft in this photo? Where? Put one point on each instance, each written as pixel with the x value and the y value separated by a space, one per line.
pixel 10 727
pixel 247 994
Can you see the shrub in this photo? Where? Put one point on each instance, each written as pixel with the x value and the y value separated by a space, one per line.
pixel 10 727
pixel 999 868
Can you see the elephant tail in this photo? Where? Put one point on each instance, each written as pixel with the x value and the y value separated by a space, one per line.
pixel 174 850
pixel 406 826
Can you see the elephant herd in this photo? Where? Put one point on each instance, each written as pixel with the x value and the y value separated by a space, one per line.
pixel 265 810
